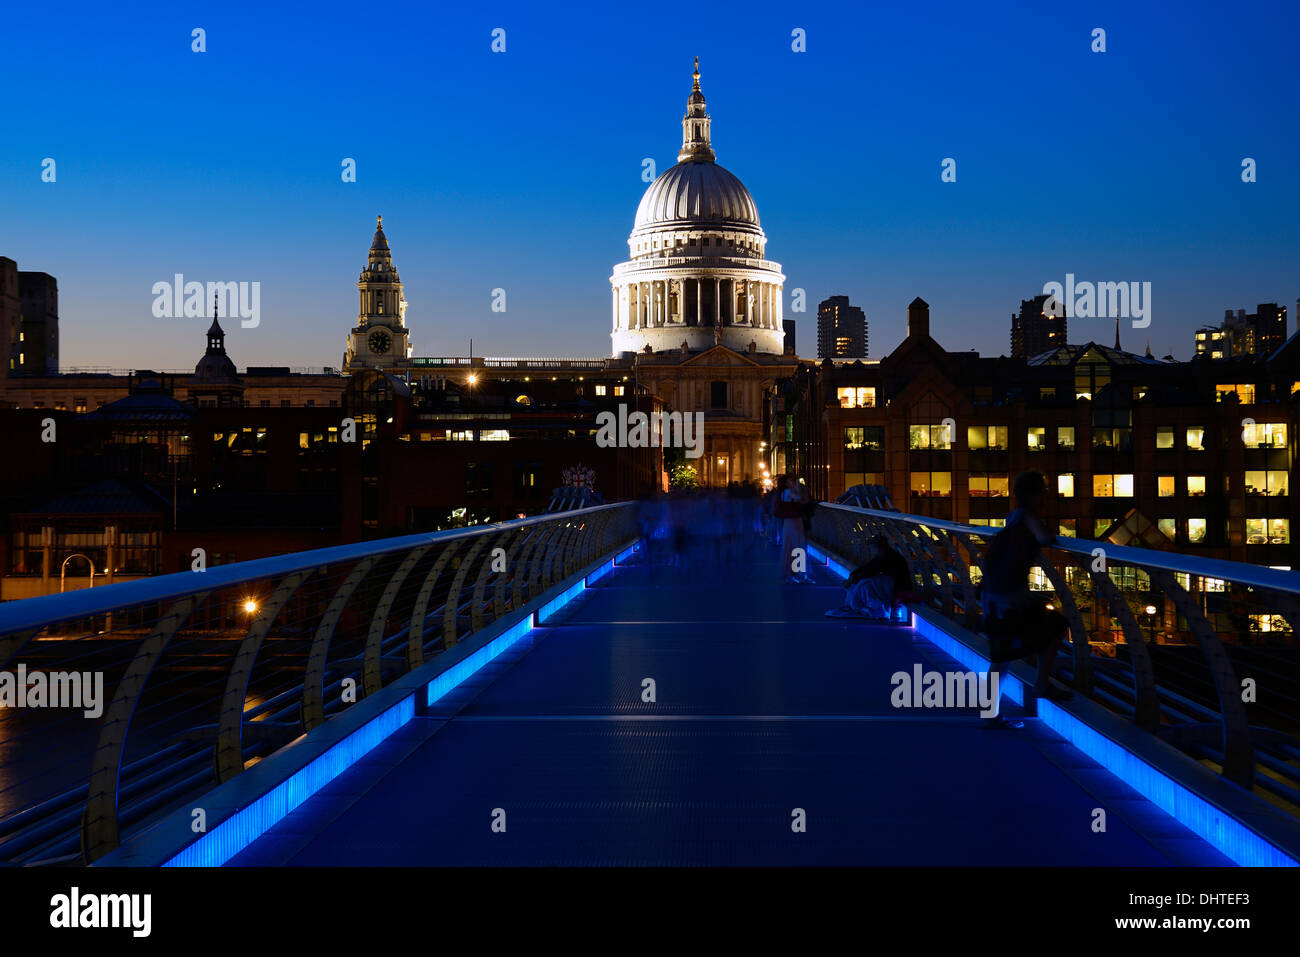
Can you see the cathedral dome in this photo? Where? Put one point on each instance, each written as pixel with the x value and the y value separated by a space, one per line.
pixel 697 275
pixel 696 192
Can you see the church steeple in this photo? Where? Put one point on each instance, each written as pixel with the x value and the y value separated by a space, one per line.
pixel 216 380
pixel 695 126
pixel 380 285
pixel 379 339
pixel 379 251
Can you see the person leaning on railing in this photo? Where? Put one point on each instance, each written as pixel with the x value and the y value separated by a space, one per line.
pixel 1017 620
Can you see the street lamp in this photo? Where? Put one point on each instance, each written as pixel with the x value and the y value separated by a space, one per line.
pixel 1151 623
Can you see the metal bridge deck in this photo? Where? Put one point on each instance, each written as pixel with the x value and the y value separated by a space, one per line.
pixel 763 706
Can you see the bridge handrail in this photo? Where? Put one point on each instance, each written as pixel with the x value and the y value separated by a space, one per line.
pixel 44 610
pixel 1254 576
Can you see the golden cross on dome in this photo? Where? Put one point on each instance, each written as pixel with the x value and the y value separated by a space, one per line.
pixel 697 73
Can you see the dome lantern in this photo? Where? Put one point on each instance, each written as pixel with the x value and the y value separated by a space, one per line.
pixel 696 146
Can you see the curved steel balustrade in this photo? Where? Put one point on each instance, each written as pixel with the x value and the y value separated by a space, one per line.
pixel 206 672
pixel 1199 652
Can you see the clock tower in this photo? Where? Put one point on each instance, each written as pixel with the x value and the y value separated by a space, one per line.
pixel 380 339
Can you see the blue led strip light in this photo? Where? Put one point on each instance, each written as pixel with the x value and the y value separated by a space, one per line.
pixel 1009 685
pixel 559 601
pixel 1226 833
pixel 238 831
pixel 1217 828
pixel 453 676
pixel 600 573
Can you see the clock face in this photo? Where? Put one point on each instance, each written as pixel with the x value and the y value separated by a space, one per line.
pixel 379 342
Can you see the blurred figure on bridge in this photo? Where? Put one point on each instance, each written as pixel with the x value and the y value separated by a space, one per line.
pixel 789 509
pixel 1017 620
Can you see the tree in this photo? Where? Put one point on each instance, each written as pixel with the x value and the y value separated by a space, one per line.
pixel 685 477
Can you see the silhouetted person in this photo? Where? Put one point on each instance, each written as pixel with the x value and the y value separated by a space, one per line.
pixel 1017 620
pixel 871 589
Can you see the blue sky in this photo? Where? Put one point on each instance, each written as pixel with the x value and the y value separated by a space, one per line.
pixel 522 170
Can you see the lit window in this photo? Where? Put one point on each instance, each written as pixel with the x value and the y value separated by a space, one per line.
pixel 983 485
pixel 1068 528
pixel 1168 527
pixel 1196 439
pixel 1106 486
pixel 1115 438
pixel 1065 485
pixel 1164 436
pixel 1269 623
pixel 932 484
pixel 1245 393
pixel 1165 486
pixel 619 390
pixel 494 435
pixel 1196 485
pixel 601 390
pixel 1267 482
pixel 1065 437
pixel 986 437
pixel 1036 439
pixel 1196 529
pixel 856 398
pixel 930 436
pixel 1265 435
pixel 853 438
pixel 1268 531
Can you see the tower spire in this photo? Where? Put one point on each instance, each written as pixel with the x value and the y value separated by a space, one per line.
pixel 695 125
pixel 216 335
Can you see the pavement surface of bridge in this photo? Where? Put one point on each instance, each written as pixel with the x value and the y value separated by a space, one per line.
pixel 762 706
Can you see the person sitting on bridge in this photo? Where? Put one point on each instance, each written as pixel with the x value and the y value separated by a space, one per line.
pixel 1018 621
pixel 871 589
